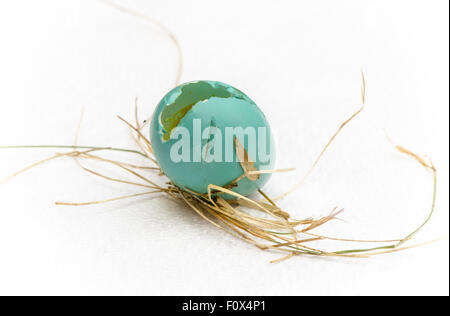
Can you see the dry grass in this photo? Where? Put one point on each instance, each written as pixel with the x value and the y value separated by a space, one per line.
pixel 267 226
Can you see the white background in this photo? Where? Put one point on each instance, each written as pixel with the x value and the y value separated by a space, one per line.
pixel 300 61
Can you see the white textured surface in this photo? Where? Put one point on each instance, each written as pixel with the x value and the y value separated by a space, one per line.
pixel 300 62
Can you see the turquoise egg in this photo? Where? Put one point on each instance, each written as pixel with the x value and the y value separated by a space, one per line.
pixel 193 133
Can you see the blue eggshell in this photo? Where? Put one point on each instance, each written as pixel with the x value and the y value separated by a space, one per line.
pixel 195 107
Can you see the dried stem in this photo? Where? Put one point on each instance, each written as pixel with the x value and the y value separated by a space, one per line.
pixel 341 127
pixel 76 147
pixel 107 200
pixel 161 26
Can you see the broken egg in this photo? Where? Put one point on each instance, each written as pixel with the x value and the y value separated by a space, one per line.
pixel 208 132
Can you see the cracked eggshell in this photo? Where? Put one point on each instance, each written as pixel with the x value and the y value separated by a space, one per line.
pixel 215 104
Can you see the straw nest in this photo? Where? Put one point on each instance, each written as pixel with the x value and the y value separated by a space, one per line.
pixel 260 222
